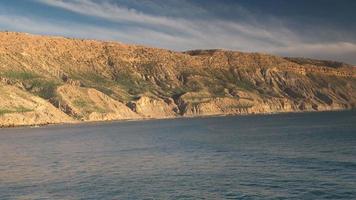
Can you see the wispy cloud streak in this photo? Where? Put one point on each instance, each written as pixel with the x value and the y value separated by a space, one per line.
pixel 207 31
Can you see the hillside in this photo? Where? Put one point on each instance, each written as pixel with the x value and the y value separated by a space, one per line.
pixel 53 79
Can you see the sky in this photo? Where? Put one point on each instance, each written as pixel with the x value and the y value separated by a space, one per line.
pixel 322 29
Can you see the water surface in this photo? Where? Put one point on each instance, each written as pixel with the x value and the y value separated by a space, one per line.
pixel 286 156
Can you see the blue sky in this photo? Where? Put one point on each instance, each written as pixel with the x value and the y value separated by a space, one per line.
pixel 324 29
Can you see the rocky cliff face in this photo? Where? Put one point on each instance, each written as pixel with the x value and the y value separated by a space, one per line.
pixel 54 79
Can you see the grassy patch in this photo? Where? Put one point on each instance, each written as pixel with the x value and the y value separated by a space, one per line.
pixel 22 109
pixel 132 84
pixel 104 90
pixel 35 84
pixel 94 78
pixel 20 75
pixel 99 110
pixel 19 109
pixel 125 79
pixel 216 81
pixel 96 81
pixel 87 106
pixel 80 103
pixel 5 111
pixel 245 85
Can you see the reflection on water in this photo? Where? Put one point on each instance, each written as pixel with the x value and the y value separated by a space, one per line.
pixel 294 156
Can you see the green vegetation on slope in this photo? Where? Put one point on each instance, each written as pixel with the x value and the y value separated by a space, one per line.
pixel 19 109
pixel 20 75
pixel 44 88
pixel 34 83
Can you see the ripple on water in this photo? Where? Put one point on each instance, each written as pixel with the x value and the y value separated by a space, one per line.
pixel 257 157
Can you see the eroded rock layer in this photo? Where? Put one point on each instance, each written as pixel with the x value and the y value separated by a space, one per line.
pixel 53 79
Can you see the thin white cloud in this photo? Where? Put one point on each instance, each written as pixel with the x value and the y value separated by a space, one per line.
pixel 342 51
pixel 112 12
pixel 39 26
pixel 210 32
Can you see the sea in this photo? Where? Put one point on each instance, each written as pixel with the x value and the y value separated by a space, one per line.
pixel 280 156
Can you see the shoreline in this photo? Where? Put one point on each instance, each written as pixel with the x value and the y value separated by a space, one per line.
pixel 77 123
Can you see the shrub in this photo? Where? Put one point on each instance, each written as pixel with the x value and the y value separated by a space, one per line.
pixel 44 88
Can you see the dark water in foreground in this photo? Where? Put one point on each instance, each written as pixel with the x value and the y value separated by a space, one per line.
pixel 287 156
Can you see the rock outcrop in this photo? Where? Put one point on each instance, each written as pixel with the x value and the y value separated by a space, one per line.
pixel 149 107
pixel 92 105
pixel 54 79
pixel 19 108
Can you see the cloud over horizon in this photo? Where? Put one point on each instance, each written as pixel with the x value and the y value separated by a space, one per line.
pixel 190 25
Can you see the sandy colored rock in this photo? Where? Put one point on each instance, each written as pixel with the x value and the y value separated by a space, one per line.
pixel 92 105
pixel 154 108
pixel 97 80
pixel 19 108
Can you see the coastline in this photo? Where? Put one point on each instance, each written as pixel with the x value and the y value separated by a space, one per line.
pixel 77 123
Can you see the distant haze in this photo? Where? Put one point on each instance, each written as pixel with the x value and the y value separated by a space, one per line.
pixel 323 29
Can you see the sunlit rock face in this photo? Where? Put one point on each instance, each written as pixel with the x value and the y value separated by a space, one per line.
pixel 53 79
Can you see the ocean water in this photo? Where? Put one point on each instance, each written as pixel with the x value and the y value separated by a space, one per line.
pixel 284 156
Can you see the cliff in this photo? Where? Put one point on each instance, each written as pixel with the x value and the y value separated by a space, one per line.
pixel 54 79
